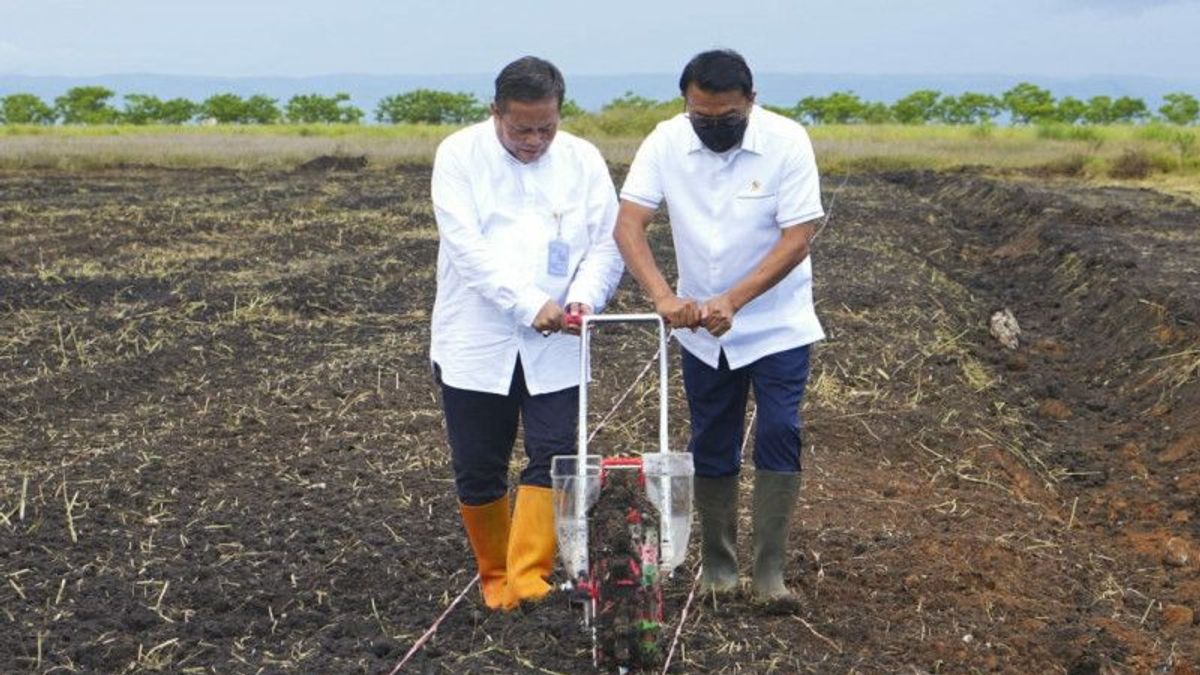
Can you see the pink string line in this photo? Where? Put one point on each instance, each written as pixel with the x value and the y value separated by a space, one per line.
pixel 624 396
pixel 700 567
pixel 433 629
pixel 683 617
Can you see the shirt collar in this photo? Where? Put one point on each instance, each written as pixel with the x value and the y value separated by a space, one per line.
pixel 751 141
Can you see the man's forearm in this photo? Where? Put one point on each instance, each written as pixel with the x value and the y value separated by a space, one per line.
pixel 789 251
pixel 639 259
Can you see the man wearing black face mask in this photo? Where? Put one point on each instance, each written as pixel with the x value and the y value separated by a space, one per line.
pixel 743 194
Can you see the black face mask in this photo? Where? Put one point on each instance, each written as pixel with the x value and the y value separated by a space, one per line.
pixel 721 136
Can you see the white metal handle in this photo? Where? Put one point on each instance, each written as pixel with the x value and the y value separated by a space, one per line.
pixel 585 358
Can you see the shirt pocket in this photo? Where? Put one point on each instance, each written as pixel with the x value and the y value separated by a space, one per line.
pixel 756 207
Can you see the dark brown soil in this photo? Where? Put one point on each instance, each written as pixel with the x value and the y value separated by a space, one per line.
pixel 623 526
pixel 334 163
pixel 221 448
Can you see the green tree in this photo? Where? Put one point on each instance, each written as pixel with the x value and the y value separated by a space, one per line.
pixel 25 109
pixel 1180 108
pixel 1070 110
pixel 1099 110
pixel 571 109
pixel 969 108
pixel 918 107
pixel 810 110
pixel 630 101
pixel 142 109
pixel 1127 110
pixel 259 109
pixel 876 113
pixel 1028 103
pixel 178 111
pixel 779 110
pixel 428 106
pixel 233 109
pixel 840 107
pixel 224 108
pixel 631 115
pixel 845 107
pixel 318 109
pixel 86 105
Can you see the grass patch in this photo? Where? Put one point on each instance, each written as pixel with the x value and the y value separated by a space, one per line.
pixel 1133 164
pixel 1054 149
pixel 1069 132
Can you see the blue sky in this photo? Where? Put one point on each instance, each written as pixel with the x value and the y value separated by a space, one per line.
pixel 1060 38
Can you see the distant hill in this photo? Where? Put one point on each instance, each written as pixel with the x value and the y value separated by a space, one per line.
pixel 592 91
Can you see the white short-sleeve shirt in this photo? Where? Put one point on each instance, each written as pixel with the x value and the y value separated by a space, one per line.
pixel 496 219
pixel 727 211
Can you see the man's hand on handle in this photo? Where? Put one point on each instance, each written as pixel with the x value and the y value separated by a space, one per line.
pixel 717 315
pixel 678 312
pixel 549 318
pixel 573 319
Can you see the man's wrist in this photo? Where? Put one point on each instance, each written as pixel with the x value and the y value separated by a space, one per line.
pixel 662 294
pixel 735 299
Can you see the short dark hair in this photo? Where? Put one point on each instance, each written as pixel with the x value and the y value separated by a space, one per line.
pixel 529 79
pixel 717 71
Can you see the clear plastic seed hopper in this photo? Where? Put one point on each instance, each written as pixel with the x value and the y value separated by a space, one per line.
pixel 580 484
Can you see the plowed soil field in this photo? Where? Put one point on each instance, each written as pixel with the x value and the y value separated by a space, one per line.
pixel 221 446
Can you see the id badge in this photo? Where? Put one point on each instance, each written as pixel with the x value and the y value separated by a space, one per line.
pixel 558 257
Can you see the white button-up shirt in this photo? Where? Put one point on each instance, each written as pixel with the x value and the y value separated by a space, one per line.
pixel 726 212
pixel 496 219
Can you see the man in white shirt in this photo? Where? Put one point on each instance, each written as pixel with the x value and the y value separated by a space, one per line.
pixel 525 216
pixel 743 195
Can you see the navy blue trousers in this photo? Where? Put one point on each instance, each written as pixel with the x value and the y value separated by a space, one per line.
pixel 482 428
pixel 717 400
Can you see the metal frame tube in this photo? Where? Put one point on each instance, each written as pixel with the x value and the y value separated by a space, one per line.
pixel 585 358
pixel 585 362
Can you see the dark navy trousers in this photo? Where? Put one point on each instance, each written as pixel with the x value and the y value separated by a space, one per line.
pixel 482 428
pixel 717 401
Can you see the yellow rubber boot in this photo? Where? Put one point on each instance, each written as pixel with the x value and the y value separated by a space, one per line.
pixel 531 545
pixel 487 528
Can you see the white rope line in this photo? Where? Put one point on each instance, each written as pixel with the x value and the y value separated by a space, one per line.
pixel 749 426
pixel 624 396
pixel 683 616
pixel 832 203
pixel 433 628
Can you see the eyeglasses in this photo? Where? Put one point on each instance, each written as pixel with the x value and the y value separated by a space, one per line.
pixel 728 120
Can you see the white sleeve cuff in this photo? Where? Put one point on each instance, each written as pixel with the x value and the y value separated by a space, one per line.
pixel 640 201
pixel 584 297
pixel 529 303
pixel 797 220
